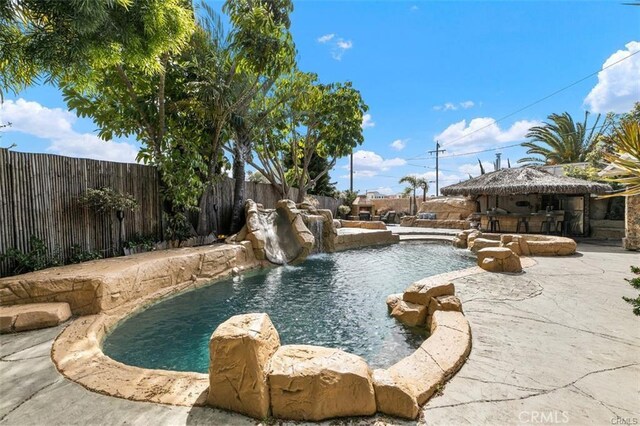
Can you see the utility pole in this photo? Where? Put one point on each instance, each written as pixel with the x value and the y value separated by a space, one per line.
pixel 437 151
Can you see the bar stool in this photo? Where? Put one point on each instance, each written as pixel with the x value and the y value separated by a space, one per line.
pixel 549 223
pixel 523 220
pixel 494 224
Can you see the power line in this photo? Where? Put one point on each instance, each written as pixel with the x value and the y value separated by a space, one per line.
pixel 545 97
pixel 511 114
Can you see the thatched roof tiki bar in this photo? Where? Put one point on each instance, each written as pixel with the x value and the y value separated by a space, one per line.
pixel 529 199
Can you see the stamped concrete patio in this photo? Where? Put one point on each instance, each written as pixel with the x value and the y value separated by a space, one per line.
pixel 553 345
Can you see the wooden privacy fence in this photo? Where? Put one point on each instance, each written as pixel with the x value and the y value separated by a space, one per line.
pixel 39 197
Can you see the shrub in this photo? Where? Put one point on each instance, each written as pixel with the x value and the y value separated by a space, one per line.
pixel 79 255
pixel 344 210
pixel 635 283
pixel 140 241
pixel 39 257
pixel 107 199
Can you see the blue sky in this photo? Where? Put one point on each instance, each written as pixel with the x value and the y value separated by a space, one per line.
pixel 428 70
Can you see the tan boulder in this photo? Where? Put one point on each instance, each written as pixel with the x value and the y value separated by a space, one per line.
pixel 403 387
pixel 448 208
pixel 316 383
pixel 479 243
pixel 240 350
pixel 450 341
pixel 499 259
pixel 422 291
pixel 33 316
pixel 409 313
pixel 445 303
pixel 459 243
pixel 393 299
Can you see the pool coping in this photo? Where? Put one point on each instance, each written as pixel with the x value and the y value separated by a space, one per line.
pixel 78 356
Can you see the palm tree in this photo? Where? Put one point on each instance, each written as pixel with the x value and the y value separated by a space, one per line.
pixel 561 140
pixel 424 184
pixel 412 181
pixel 625 158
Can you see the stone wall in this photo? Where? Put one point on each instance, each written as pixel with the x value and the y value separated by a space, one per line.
pixel 102 285
pixel 631 240
pixel 449 208
pixel 354 238
pixel 412 221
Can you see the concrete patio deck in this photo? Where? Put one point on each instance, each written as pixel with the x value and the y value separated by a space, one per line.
pixel 556 344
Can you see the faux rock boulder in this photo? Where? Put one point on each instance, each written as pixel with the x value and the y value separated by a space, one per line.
pixel 240 350
pixel 499 259
pixel 33 316
pixel 316 383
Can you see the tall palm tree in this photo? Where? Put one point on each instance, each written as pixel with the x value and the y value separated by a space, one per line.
pixel 412 181
pixel 561 140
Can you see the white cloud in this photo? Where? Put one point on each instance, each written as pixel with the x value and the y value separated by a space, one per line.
pixel 367 121
pixel 384 190
pixel 325 38
pixel 482 133
pixel 56 125
pixel 342 44
pixel 340 47
pixel 414 8
pixel 399 144
pixel 618 87
pixel 368 163
pixel 473 169
pixel 450 106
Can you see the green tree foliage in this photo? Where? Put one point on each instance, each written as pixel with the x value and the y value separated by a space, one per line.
pixel 561 140
pixel 317 166
pixel 314 119
pixel 74 40
pixel 257 49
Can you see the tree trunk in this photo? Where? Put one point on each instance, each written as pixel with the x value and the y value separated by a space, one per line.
pixel 237 210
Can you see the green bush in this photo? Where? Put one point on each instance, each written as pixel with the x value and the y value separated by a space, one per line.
pixel 79 255
pixel 140 241
pixel 635 283
pixel 39 257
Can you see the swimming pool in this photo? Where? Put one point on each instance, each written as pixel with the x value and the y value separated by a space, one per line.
pixel 335 300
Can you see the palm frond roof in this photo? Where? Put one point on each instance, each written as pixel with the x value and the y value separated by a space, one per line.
pixel 525 180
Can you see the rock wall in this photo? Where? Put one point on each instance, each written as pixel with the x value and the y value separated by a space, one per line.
pixel 448 208
pixel 521 245
pixel 413 221
pixel 354 238
pixel 631 240
pixel 102 285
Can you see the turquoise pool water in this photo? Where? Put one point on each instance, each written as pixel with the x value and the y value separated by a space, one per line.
pixel 335 300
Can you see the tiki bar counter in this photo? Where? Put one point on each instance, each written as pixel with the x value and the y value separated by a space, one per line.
pixel 530 200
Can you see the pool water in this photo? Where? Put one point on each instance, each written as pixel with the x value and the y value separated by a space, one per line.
pixel 335 300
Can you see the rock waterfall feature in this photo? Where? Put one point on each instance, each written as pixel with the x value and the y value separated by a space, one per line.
pixel 288 233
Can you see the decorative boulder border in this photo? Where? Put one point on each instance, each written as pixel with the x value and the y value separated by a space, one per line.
pixel 33 316
pixel 316 383
pixel 522 245
pixel 499 259
pixel 240 350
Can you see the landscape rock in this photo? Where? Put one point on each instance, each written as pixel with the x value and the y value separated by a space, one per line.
pixel 316 383
pixel 240 350
pixel 409 313
pixel 33 316
pixel 479 243
pixel 393 299
pixel 499 259
pixel 422 291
